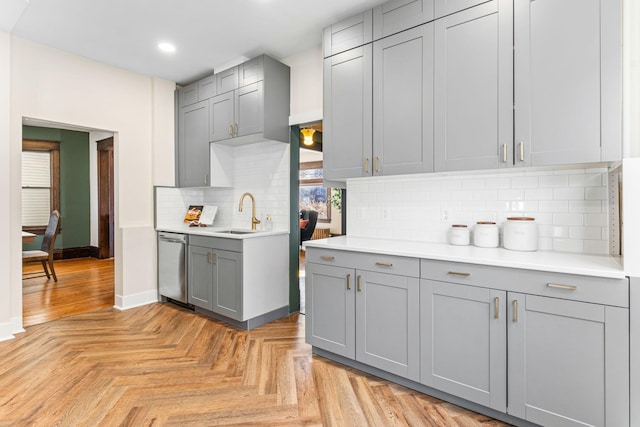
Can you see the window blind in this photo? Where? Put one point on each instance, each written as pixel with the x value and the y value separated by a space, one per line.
pixel 36 187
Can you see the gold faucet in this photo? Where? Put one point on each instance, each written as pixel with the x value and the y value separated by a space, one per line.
pixel 254 220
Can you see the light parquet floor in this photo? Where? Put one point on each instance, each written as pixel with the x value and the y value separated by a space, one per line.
pixel 162 365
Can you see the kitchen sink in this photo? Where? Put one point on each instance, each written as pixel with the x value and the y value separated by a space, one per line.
pixel 237 232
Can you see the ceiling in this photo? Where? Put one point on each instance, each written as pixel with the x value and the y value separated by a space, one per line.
pixel 208 34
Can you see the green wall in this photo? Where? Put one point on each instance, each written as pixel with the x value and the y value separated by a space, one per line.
pixel 74 185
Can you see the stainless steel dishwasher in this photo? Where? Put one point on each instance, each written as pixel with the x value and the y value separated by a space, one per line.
pixel 172 266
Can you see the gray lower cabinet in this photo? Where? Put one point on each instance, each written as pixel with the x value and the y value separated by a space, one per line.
pixel 463 342
pixel 403 102
pixel 568 362
pixel 347 122
pixel 193 152
pixel 474 110
pixel 567 80
pixel 200 277
pixel 364 315
pixel 215 280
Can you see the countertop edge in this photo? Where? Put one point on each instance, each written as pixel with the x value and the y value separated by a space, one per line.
pixel 554 262
pixel 216 232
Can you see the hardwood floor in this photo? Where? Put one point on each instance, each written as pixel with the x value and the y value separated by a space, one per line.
pixel 84 285
pixel 162 365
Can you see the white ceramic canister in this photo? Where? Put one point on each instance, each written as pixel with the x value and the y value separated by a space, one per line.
pixel 459 235
pixel 485 234
pixel 520 234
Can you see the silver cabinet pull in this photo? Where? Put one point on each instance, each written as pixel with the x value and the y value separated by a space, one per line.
pixel 327 257
pixel 515 310
pixel 230 129
pixel 366 165
pixel 458 273
pixel 521 151
pixel 235 129
pixel 558 286
pixel 348 282
pixel 358 279
pixel 384 264
pixel 376 163
pixel 496 313
pixel 211 257
pixel 504 153
pixel 206 178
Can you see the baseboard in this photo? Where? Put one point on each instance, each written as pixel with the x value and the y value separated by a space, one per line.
pixel 77 252
pixel 132 301
pixel 6 331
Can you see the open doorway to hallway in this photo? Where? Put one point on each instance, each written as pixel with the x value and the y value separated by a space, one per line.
pixel 83 194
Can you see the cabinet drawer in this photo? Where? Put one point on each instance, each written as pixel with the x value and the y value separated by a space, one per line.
pixel 591 289
pixel 364 261
pixel 234 245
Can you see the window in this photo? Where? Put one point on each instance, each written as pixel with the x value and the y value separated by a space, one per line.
pixel 314 195
pixel 40 183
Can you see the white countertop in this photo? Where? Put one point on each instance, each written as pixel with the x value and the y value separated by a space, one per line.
pixel 557 262
pixel 219 231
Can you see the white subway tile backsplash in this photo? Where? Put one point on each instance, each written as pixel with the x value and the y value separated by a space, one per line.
pixel 570 205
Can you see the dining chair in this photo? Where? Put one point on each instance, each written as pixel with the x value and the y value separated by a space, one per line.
pixel 45 254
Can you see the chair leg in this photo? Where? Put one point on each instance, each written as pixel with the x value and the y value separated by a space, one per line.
pixel 53 271
pixel 46 270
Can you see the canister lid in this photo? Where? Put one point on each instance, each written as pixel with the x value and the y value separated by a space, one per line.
pixel 521 218
pixel 486 223
pixel 459 225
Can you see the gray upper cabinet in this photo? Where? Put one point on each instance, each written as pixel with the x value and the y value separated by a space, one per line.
pixel 227 80
pixel 193 152
pixel 474 88
pixel 253 112
pixel 463 342
pixel 206 88
pixel 398 15
pixel 251 71
pixel 348 34
pixel 347 119
pixel 221 116
pixel 447 7
pixel 403 102
pixel 568 362
pixel 567 81
pixel 188 95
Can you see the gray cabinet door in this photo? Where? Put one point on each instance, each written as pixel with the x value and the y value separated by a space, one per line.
pixel 387 323
pixel 463 342
pixel 403 102
pixel 206 88
pixel 227 284
pixel 200 277
pixel 188 95
pixel 567 81
pixel 330 305
pixel 447 7
pixel 249 109
pixel 221 116
pixel 251 71
pixel 568 362
pixel 227 80
pixel 348 34
pixel 398 15
pixel 193 145
pixel 474 88
pixel 347 122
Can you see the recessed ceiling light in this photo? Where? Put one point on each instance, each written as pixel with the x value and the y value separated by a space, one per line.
pixel 166 47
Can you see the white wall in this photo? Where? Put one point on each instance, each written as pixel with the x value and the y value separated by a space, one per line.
pixel 306 86
pixel 7 319
pixel 52 85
